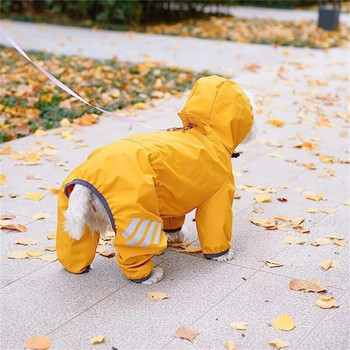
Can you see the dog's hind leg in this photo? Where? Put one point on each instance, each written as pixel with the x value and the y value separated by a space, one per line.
pixel 172 228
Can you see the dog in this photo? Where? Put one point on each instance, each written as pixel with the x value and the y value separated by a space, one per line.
pixel 149 224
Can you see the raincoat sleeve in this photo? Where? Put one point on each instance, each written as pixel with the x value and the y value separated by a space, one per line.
pixel 214 221
pixel 75 256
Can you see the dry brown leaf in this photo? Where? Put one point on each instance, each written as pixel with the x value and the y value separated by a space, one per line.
pixel 26 241
pixel 302 229
pixel 282 199
pixel 18 254
pixel 320 241
pixel 157 296
pixel 108 254
pixel 7 217
pixel 230 345
pixel 186 333
pixel 309 286
pixel 278 343
pixel 16 227
pixel 272 264
pixel 326 302
pixel 98 339
pixel 50 249
pixel 38 343
pixel 283 323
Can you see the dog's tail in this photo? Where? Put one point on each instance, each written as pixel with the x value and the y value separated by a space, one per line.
pixel 78 211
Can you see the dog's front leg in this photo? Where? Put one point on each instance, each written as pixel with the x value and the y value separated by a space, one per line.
pixel 175 237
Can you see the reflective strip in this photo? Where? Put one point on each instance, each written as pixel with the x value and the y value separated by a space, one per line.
pixel 159 231
pixel 150 234
pixel 139 233
pixel 127 233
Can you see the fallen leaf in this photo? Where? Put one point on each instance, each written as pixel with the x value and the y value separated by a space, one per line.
pixel 34 253
pixel 309 286
pixel 261 221
pixel 283 323
pixel 278 343
pixel 7 216
pixel 186 333
pixel 33 177
pixel 320 241
pixel 257 209
pixel 13 195
pixel 326 302
pixel 18 254
pixel 16 227
pixel 275 122
pixel 34 196
pixel 3 180
pixel 327 264
pixel 51 235
pixel 192 249
pixel 54 190
pixel 262 198
pixel 339 242
pixel 6 150
pixel 294 240
pixel 48 257
pixel 108 254
pixel 41 216
pixel 302 229
pixel 26 241
pixel 297 221
pixel 98 339
pixel 50 249
pixel 272 264
pixel 38 343
pixel 239 326
pixel 347 202
pixel 314 197
pixel 157 296
pixel 282 199
pixel 230 345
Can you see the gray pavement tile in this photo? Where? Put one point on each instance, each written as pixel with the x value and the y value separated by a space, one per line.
pixel 259 301
pixel 134 322
pixel 50 297
pixel 335 324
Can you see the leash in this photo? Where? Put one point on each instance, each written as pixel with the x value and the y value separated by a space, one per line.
pixel 70 91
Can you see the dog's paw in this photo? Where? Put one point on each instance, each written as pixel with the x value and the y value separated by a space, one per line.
pixel 156 276
pixel 175 237
pixel 226 257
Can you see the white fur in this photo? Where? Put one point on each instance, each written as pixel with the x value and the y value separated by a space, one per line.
pixel 84 208
pixel 226 257
pixel 175 237
pixel 156 276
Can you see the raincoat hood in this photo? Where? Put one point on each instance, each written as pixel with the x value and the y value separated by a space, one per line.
pixel 219 106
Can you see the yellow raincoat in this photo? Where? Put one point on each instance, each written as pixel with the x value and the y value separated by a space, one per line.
pixel 148 182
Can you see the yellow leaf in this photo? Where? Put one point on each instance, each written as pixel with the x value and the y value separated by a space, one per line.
pixel 51 235
pixel 279 343
pixel 239 326
pixel 294 240
pixel 65 122
pixel 346 202
pixel 186 333
pixel 3 180
pixel 50 249
pixel 97 339
pixel 18 254
pixel 38 343
pixel 275 122
pixel 41 216
pixel 283 323
pixel 34 196
pixel 6 150
pixel 339 242
pixel 230 345
pixel 157 296
pixel 261 221
pixel 262 198
pixel 192 249
pixel 34 253
pixel 272 264
pixel 320 241
pixel 48 257
pixel 314 197
pixel 326 302
pixel 40 132
pixel 140 105
pixel 327 264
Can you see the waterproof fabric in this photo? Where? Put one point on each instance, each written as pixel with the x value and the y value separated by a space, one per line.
pixel 148 182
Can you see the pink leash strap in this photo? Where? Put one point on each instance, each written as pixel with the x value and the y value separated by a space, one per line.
pixel 70 91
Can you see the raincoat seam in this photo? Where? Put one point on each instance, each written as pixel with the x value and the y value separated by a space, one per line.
pixel 98 194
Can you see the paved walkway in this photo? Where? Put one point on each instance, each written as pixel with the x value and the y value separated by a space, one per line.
pixel 306 89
